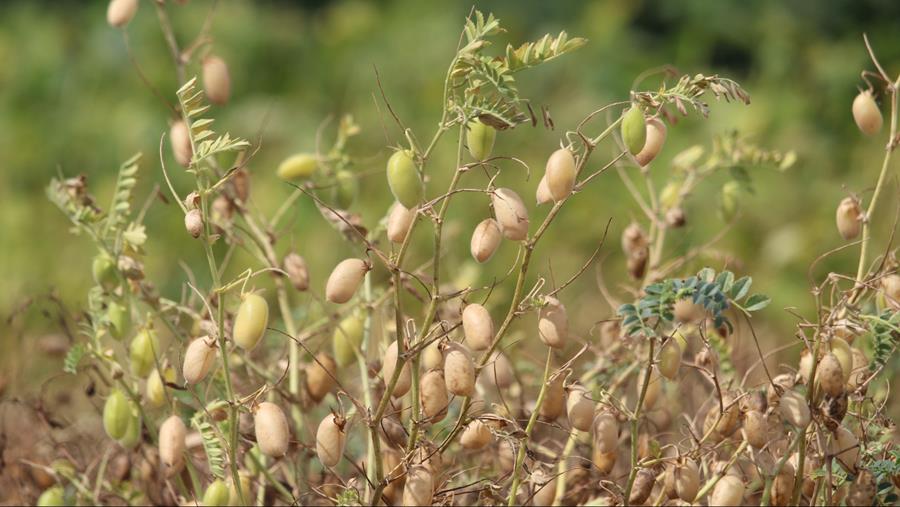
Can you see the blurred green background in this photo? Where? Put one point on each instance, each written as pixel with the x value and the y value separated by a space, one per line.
pixel 71 101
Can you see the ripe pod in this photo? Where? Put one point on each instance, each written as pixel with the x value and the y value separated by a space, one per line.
pixel 142 352
pixel 216 80
pixel 729 491
pixel 511 213
pixel 794 409
pixel 251 321
pixel 755 429
pixel 656 137
pixel 193 223
pixel 345 189
pixel 476 435
pixel 863 489
pixel 180 138
pixel 634 130
pixel 297 167
pixel 485 239
pixel 542 195
pixel 633 239
pixel 890 286
pixel 345 280
pixel 116 414
pixel 272 431
pixel 240 182
pixel 866 113
pixel 389 365
pixel 845 447
pixel 54 496
pixel 860 369
pixel 606 432
pixel 120 12
pixel 104 270
pixel 554 400
pixel 848 218
pixel 604 461
pixel 318 381
pixel 399 222
pixel 404 180
pixel 432 357
pixel 330 440
pixel 553 323
pixel 543 488
pixel 560 174
pixel 347 338
pixel 171 445
pixel 687 480
pixel 480 139
pixel 498 371
pixel 580 408
pixel 298 273
pixel 433 395
pixel 216 494
pixel 156 389
pixel 670 359
pixel 198 359
pixel 829 375
pixel 806 364
pixel 642 487
pixel 506 456
pixel 459 370
pixel 841 350
pixel 419 489
pixel 477 326
pixel 783 486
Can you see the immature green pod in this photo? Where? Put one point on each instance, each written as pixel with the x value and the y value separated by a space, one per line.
pixel 132 436
pixel 729 200
pixel 345 279
pixel 216 80
pixel 120 12
pixel 347 338
pixel 389 365
pixel 272 431
pixel 118 318
pixel 404 180
pixel 299 166
pixel 478 326
pixel 560 174
pixel 419 489
pixel 116 414
pixel 866 113
pixel 480 139
pixel 198 359
pixel 142 352
pixel 251 321
pixel 172 434
pixel 634 130
pixel 330 440
pixel 345 189
pixel 216 494
pixel 656 137
pixel 104 270
pixel 399 222
pixel 670 359
pixel 459 370
pixel 580 408
pixel 849 218
pixel 729 491
pixel 554 400
pixel 794 409
pixel 829 375
pixel 320 375
pixel 511 213
pixel 553 323
pixel 477 435
pixel 542 195
pixel 298 273
pixel 433 395
pixel 246 496
pixel 155 390
pixel 485 240
pixel 180 138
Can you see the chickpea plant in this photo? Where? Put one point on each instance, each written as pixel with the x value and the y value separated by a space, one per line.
pixel 399 387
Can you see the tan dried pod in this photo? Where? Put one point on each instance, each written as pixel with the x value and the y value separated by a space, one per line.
pixel 345 279
pixel 755 429
pixel 389 365
pixel 171 445
pixel 393 432
pixel 849 218
pixel 676 217
pixel 669 482
pixel 543 488
pixel 542 195
pixel 642 486
pixel 606 432
pixel 400 219
pixel 216 80
pixel 845 447
pixel 506 456
pixel 419 489
pixel 633 239
pixel 498 371
pixel 553 323
pixel 432 357
pixel 476 435
pixel 560 174
pixel 330 440
pixel 433 395
pixel 782 383
pixel 636 265
pixel 554 400
pixel 862 491
pixel 193 223
pixel 793 408
pixel 670 359
pixel 477 326
pixel 860 369
pixel 320 376
pixel 198 359
pixel 459 370
pixel 890 284
pixel 866 113
pixel 120 12
pixel 829 375
pixel 730 419
pixel 604 462
pixel 656 137
pixel 298 272
pixel 485 240
pixel 687 480
pixel 272 431
pixel 394 473
pixel 511 213
pixel 686 311
pixel 783 486
pixel 580 408
pixel 806 365
pixel 729 491
pixel 181 143
pixel 841 350
pixel 654 387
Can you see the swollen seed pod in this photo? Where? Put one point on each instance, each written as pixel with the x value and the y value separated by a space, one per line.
pixel 543 488
pixel 347 338
pixel 404 179
pixel 432 357
pixel 845 447
pixel 320 375
pixel 542 195
pixel 399 222
pixel 655 138
pixel 476 435
pixel 116 414
pixel 345 189
pixel 298 273
pixel 120 12
pixel 606 432
pixel 193 223
pixel 633 239
pixel 783 486
pixel 118 318
pixel 345 280
pixel 419 489
pixel 251 321
pixel 580 408
pixel 142 352
pixel 485 239
pixel 553 323
pixel 866 113
pixel 180 138
pixel 272 431
pixel 729 491
pixel 604 461
pixel 860 369
pixel 245 496
pixel 499 371
pixel 890 286
pixel 849 218
pixel 330 440
pixel 104 270
pixel 554 400
pixel 299 166
pixel 806 364
pixel 216 80
pixel 433 395
pixel 829 375
pixel 480 139
pixel 389 365
pixel 459 370
pixel 511 213
pixel 198 359
pixel 687 480
pixel 171 445
pixel 560 174
pixel 216 494
pixel 156 388
pixel 54 496
pixel 841 350
pixel 670 359
pixel 477 326
pixel 794 409
pixel 642 487
pixel 634 130
pixel 755 429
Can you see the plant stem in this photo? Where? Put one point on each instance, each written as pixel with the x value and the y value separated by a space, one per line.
pixel 561 469
pixel 520 456
pixel 635 419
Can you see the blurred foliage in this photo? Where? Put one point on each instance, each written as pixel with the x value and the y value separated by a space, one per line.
pixel 71 101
